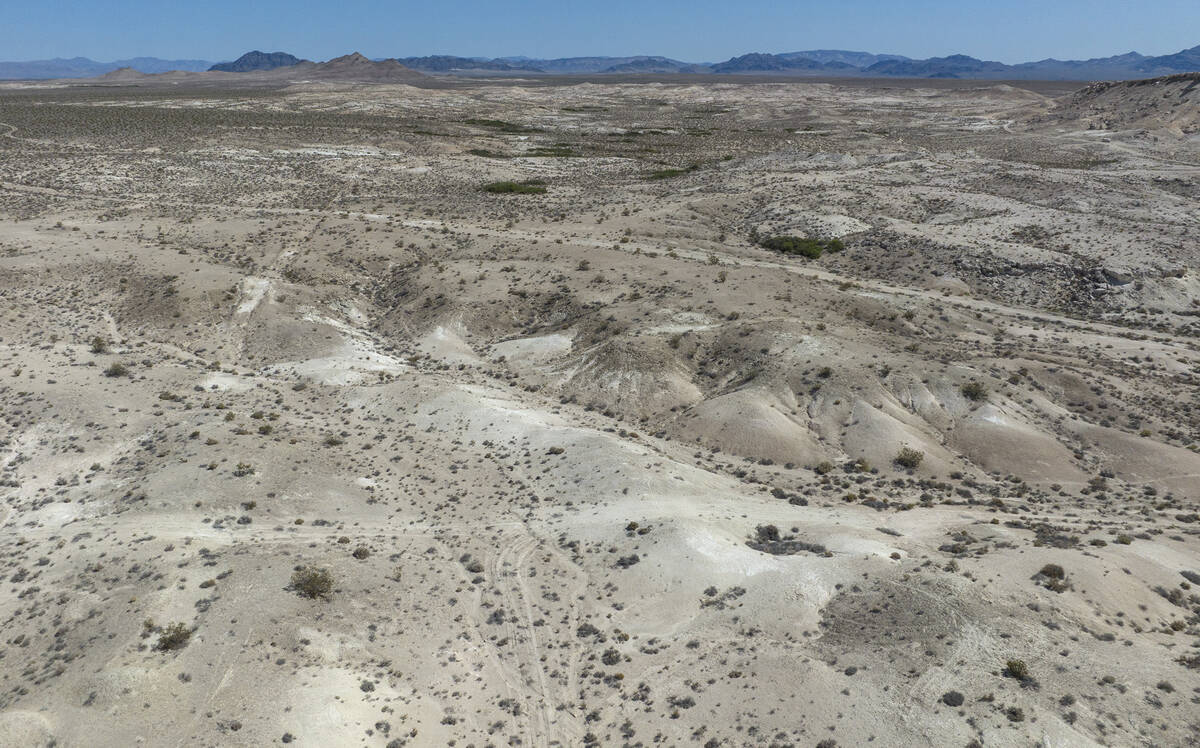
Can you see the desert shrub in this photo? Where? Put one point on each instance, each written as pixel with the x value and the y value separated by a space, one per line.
pixel 1123 539
pixel 116 369
pixel 485 153
pixel 766 533
pixel 796 245
pixel 558 150
pixel 311 582
pixel 823 467
pixel 1016 669
pixel 518 188
pixel 1053 577
pixel 99 345
pixel 174 636
pixel 952 698
pixel 974 391
pixel 361 553
pixel 501 125
pixel 1053 571
pixel 672 173
pixel 909 458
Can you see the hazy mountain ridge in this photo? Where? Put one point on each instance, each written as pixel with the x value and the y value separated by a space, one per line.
pixel 826 62
pixel 451 63
pixel 82 67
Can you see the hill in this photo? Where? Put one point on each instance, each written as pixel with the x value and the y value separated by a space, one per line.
pixel 355 67
pixel 252 61
pixel 1168 103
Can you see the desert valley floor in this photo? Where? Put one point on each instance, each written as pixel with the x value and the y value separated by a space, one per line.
pixel 309 439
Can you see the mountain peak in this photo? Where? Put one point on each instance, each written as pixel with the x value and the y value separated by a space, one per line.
pixel 354 58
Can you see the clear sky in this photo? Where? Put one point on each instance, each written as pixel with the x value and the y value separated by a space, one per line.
pixel 693 30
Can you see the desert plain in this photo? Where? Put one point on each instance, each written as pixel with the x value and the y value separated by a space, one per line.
pixel 309 438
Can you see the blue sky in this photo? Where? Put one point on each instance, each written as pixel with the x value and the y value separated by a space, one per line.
pixel 694 30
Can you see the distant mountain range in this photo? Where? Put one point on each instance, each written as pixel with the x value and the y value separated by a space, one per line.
pixel 82 67
pixel 352 68
pixel 833 62
pixel 823 62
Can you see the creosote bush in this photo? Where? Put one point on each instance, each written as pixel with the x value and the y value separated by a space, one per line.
pixel 174 636
pixel 1053 571
pixel 116 369
pixel 909 458
pixel 974 391
pixel 312 582
pixel 1017 669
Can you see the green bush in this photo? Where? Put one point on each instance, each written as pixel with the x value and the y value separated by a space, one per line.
pixel 797 245
pixel 116 369
pixel 519 188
